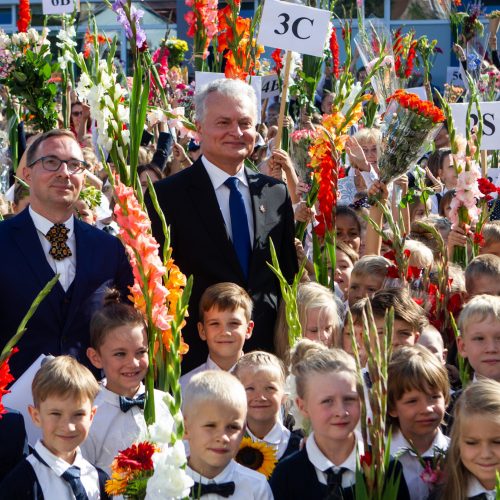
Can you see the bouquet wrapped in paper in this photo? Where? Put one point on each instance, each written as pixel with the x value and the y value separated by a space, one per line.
pixel 374 42
pixel 410 124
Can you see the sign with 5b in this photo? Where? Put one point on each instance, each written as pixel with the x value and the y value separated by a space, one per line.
pixel 59 6
pixel 294 27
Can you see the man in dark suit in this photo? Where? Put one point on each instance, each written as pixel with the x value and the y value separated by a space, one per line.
pixel 14 441
pixel 46 239
pixel 223 215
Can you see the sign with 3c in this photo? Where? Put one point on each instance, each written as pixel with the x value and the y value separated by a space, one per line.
pixel 294 27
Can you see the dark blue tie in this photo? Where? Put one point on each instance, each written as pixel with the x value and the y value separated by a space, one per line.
pixel 239 224
pixel 72 476
pixel 127 403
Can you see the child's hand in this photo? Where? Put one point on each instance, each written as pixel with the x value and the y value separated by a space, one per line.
pixel 279 161
pixel 437 185
pixel 456 238
pixel 356 154
pixel 402 182
pixel 378 189
pixel 303 213
pixel 179 154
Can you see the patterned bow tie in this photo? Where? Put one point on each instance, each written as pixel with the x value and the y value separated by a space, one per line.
pixel 57 236
pixel 223 489
pixel 127 403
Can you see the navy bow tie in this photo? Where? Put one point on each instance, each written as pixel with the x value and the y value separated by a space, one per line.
pixel 223 489
pixel 127 403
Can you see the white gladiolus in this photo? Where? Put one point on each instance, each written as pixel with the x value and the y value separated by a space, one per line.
pixel 15 38
pixel 33 35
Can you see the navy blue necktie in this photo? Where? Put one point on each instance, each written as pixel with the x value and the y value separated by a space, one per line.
pixel 127 403
pixel 72 477
pixel 334 483
pixel 239 225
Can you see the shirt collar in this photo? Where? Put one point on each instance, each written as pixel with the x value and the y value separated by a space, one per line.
pixel 274 436
pixel 476 488
pixel 212 365
pixel 322 463
pixel 400 445
pixel 43 225
pixel 224 477
pixel 218 176
pixel 111 397
pixel 58 465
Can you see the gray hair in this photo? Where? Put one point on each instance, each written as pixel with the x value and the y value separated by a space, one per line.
pixel 236 89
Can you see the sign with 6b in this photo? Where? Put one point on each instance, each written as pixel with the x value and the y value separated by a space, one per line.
pixel 59 6
pixel 491 122
pixel 294 27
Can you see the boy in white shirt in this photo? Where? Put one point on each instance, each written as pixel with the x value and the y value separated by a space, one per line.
pixel 225 324
pixel 215 409
pixel 63 395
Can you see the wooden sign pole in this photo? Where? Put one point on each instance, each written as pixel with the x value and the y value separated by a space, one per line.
pixel 284 95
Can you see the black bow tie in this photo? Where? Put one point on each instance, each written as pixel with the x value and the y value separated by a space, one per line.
pixel 223 489
pixel 127 403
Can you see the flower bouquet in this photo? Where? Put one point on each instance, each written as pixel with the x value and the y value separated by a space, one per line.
pixel 494 18
pixel 374 43
pixel 151 468
pixel 410 123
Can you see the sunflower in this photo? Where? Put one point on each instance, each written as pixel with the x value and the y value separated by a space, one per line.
pixel 257 455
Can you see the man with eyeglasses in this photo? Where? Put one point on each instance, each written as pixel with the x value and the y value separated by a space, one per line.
pixel 46 239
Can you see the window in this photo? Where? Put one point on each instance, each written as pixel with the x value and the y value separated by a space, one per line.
pixel 347 8
pixel 5 15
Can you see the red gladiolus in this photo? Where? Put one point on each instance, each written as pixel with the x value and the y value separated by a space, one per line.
pixel 23 22
pixel 392 272
pixel 486 187
pixel 478 239
pixel 136 457
pixel 278 60
pixel 410 58
pixel 5 379
pixel 326 195
pixel 334 48
pixel 366 459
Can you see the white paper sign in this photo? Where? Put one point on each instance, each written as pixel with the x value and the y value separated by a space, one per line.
pixel 59 6
pixel 420 91
pixel 270 86
pixel 491 122
pixel 455 76
pixel 20 398
pixel 203 78
pixel 294 27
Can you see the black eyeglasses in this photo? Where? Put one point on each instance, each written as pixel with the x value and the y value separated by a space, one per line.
pixel 53 164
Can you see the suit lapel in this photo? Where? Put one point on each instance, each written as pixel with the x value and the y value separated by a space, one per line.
pixel 255 186
pixel 205 203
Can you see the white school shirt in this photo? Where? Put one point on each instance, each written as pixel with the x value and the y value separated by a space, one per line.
pixel 322 463
pixel 66 268
pixel 277 438
pixel 412 468
pixel 218 177
pixel 249 484
pixel 51 482
pixel 209 364
pixel 435 202
pixel 113 430
pixel 476 488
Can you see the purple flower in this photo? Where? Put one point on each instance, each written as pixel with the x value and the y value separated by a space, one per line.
pixel 135 16
pixel 118 4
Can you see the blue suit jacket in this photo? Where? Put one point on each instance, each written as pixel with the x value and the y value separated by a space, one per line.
pixel 61 323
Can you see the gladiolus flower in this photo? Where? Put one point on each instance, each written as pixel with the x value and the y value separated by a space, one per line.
pixel 5 379
pixel 24 16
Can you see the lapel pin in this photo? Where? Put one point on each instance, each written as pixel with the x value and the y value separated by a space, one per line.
pixel 262 209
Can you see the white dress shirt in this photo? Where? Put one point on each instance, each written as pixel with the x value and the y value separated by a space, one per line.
pixel 113 430
pixel 412 468
pixel 322 463
pixel 248 483
pixel 277 438
pixel 66 268
pixel 209 364
pixel 51 482
pixel 218 177
pixel 476 488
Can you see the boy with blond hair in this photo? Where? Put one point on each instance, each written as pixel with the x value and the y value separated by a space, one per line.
pixel 367 276
pixel 479 340
pixel 63 396
pixel 215 410
pixel 225 324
